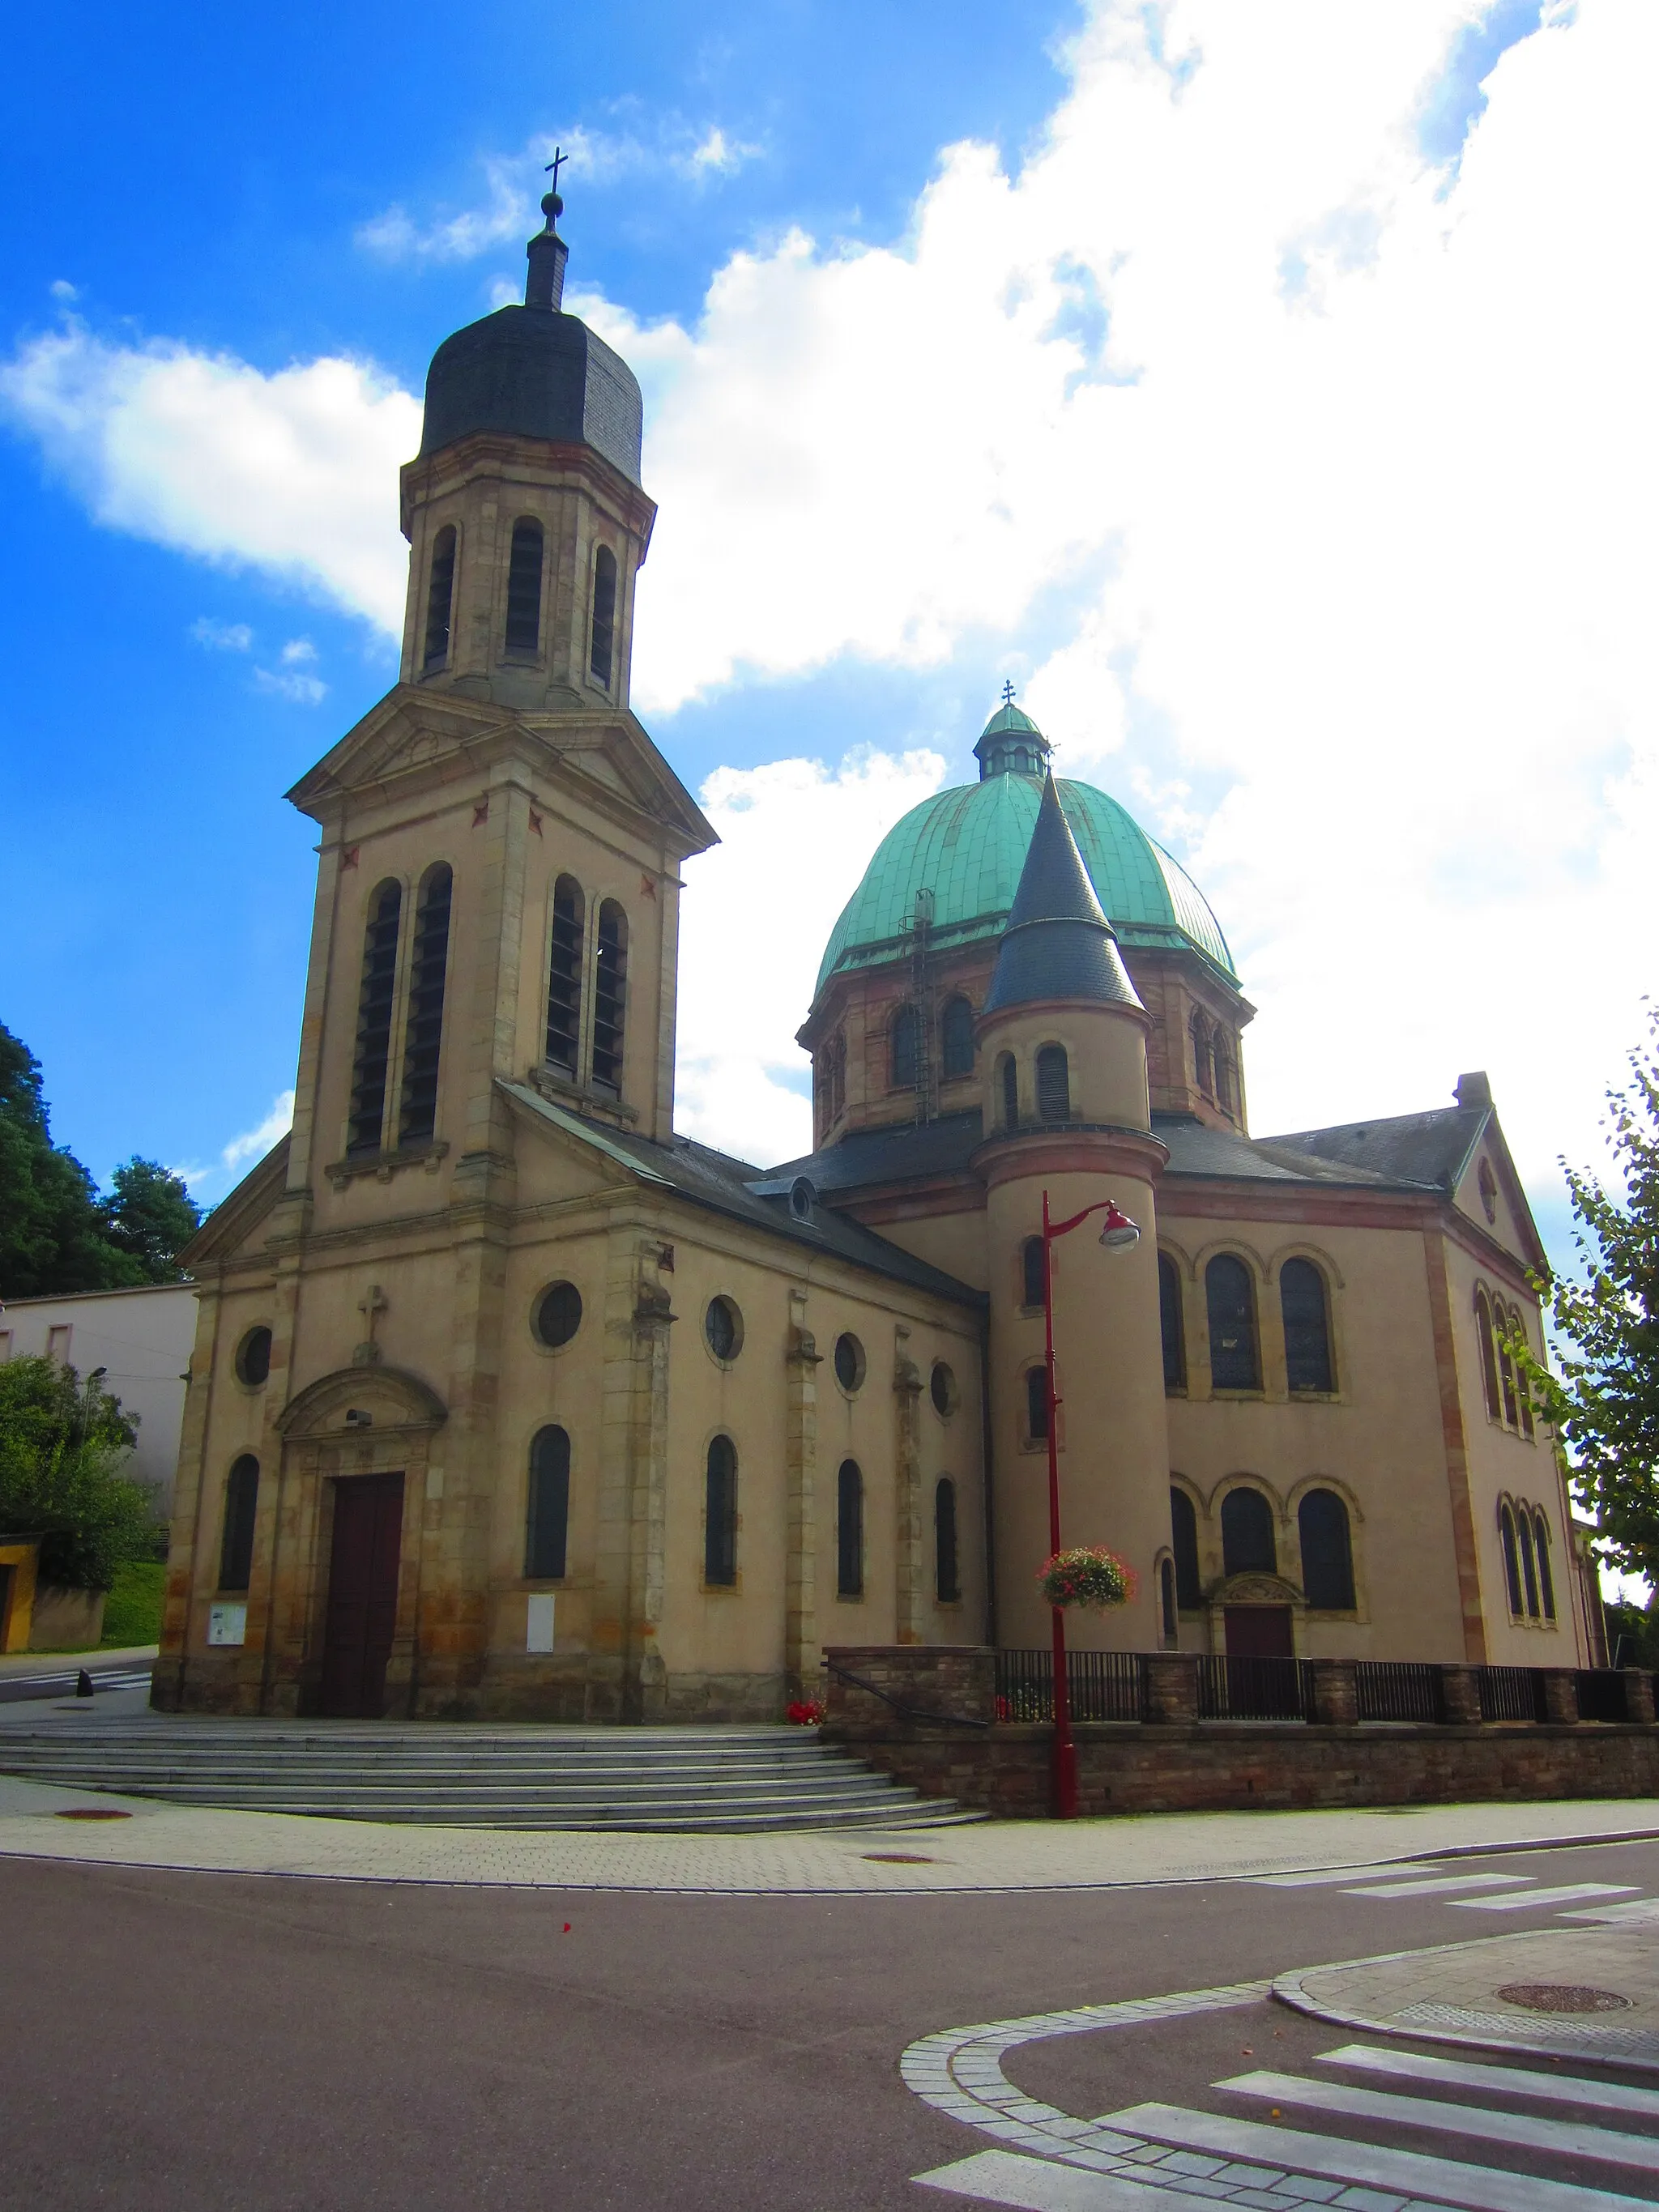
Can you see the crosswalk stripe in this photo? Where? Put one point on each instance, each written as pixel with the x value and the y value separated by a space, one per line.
pixel 1038 2185
pixel 1406 2173
pixel 1509 2080
pixel 1568 2138
pixel 1441 1882
pixel 1334 1874
pixel 1560 1895
pixel 1639 1908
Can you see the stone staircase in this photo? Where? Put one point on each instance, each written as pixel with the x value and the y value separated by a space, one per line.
pixel 730 1781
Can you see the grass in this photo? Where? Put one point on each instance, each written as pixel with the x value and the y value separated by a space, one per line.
pixel 132 1612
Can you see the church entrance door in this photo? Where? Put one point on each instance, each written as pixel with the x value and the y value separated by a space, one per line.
pixel 363 1594
pixel 1259 1631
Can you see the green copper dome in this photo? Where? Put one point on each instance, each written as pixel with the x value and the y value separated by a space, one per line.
pixel 968 845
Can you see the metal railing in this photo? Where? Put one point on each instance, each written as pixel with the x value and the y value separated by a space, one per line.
pixel 1398 1690
pixel 1103 1686
pixel 1602 1694
pixel 1231 1689
pixel 1510 1693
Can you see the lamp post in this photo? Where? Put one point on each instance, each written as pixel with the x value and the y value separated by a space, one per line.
pixel 1118 1233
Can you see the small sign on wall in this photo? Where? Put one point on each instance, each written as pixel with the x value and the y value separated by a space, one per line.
pixel 227 1624
pixel 538 1622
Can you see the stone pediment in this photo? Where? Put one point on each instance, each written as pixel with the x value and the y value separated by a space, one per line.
pixel 391 1397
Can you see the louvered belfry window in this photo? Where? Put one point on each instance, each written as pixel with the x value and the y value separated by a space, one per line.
pixel 368 1072
pixel 440 597
pixel 524 588
pixel 1053 1084
pixel 423 1035
pixel 609 998
pixel 604 615
pixel 564 976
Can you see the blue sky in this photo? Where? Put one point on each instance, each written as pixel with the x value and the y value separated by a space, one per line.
pixel 1260 388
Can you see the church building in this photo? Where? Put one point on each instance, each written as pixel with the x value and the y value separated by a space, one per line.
pixel 507 1401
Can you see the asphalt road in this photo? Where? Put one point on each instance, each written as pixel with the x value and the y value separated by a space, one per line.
pixel 58 1678
pixel 205 2043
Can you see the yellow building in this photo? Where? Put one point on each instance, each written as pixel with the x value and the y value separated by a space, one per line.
pixel 508 1401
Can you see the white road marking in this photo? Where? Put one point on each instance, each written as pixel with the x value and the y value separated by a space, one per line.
pixel 1409 2173
pixel 1038 2185
pixel 1566 2138
pixel 1334 1874
pixel 1543 1896
pixel 1509 2080
pixel 1639 1908
pixel 1441 1882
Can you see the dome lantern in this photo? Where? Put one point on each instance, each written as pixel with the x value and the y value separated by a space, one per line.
pixel 1010 743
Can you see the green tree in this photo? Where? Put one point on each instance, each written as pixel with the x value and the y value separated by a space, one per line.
pixel 51 1229
pixel 149 1217
pixel 1604 1398
pixel 61 1443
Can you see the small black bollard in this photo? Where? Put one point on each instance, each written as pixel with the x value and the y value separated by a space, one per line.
pixel 83 1684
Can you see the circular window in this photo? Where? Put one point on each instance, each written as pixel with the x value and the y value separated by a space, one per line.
pixel 254 1357
pixel 942 1389
pixel 849 1363
pixel 723 1326
pixel 558 1314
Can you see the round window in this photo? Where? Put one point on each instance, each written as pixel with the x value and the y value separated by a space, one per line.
pixel 723 1326
pixel 558 1314
pixel 254 1357
pixel 849 1363
pixel 942 1388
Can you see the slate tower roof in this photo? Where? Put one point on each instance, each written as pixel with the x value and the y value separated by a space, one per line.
pixel 1057 943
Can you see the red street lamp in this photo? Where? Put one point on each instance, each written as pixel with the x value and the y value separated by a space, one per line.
pixel 1118 1233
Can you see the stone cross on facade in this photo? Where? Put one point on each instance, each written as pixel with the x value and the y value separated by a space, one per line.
pixel 368 1353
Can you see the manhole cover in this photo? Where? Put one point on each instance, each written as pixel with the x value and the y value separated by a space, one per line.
pixel 1562 1996
pixel 92 1812
pixel 899 1858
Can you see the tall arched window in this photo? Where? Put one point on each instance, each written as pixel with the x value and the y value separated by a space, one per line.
pixel 1327 1551
pixel 903 1041
pixel 1030 1272
pixel 440 596
pixel 1222 1060
pixel 719 1529
pixel 1203 1057
pixel 849 1530
pixel 1511 1560
pixel 837 1075
pixel 1009 1075
pixel 1166 1596
pixel 1169 1324
pixel 947 1574
pixel 241 1504
pixel 1053 1084
pixel 1488 1355
pixel 1528 1565
pixel 564 976
pixel 604 615
pixel 1307 1326
pixel 1247 1535
pixel 1183 1532
pixel 1036 1404
pixel 956 1038
pixel 423 1032
pixel 1230 1295
pixel 609 998
pixel 1506 1366
pixel 374 997
pixel 547 1516
pixel 1540 1529
pixel 524 588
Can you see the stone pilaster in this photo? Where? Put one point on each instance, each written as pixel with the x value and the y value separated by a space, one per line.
pixel 909 1576
pixel 802 1359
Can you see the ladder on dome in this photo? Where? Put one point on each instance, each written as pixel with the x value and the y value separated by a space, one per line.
pixel 918 927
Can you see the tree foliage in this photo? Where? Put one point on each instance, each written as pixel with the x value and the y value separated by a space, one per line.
pixel 149 1217
pixel 61 1443
pixel 1604 1398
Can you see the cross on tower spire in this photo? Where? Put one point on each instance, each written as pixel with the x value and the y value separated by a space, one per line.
pixel 559 157
pixel 1008 694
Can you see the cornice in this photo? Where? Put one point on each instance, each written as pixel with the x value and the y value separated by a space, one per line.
pixel 1071 1148
pixel 492 452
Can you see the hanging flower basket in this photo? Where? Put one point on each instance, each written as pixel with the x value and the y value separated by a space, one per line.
pixel 1087 1575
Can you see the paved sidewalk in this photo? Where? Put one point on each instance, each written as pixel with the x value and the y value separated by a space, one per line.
pixel 999 1855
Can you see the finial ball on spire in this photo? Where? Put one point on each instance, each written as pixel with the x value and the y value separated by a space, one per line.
pixel 552 206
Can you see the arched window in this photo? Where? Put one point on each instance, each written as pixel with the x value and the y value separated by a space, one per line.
pixel 1511 1560
pixel 1516 1330
pixel 1247 1535
pixel 1528 1565
pixel 1183 1530
pixel 604 615
pixel 547 1517
pixel 1235 1361
pixel 1203 1061
pixel 837 1075
pixel 609 998
pixel 1053 1084
pixel 947 1577
pixel 439 595
pixel 1169 1321
pixel 1327 1551
pixel 1506 1367
pixel 719 1539
pixel 524 588
pixel 564 976
pixel 1488 1357
pixel 1223 1062
pixel 1009 1074
pixel 374 997
pixel 1030 1272
pixel 849 1530
pixel 1540 1529
pixel 902 1043
pixel 956 1038
pixel 1307 1326
pixel 1166 1594
pixel 1036 1404
pixel 423 1032
pixel 241 1503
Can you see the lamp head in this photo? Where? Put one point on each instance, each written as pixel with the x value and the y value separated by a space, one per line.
pixel 1120 1231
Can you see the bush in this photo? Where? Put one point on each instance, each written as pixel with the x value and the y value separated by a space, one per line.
pixel 60 1443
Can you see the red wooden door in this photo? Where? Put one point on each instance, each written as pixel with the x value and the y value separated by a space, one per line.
pixel 363 1594
pixel 1259 1631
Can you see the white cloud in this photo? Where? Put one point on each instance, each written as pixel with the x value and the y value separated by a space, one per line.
pixel 222 637
pixel 212 1179
pixel 396 236
pixel 294 679
pixel 62 289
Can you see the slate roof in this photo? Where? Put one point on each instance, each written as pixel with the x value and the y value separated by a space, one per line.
pixel 1431 1148
pixel 1057 943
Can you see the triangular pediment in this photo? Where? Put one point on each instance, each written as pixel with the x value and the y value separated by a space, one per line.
pixel 238 1223
pixel 1488 1191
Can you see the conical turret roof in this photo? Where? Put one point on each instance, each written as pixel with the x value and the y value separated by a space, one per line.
pixel 1057 943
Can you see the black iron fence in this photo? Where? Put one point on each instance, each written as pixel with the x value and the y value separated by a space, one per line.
pixel 1103 1686
pixel 1231 1689
pixel 1602 1694
pixel 1510 1693
pixel 1398 1690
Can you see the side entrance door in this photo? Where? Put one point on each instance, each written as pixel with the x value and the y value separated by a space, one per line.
pixel 1259 1631
pixel 363 1594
